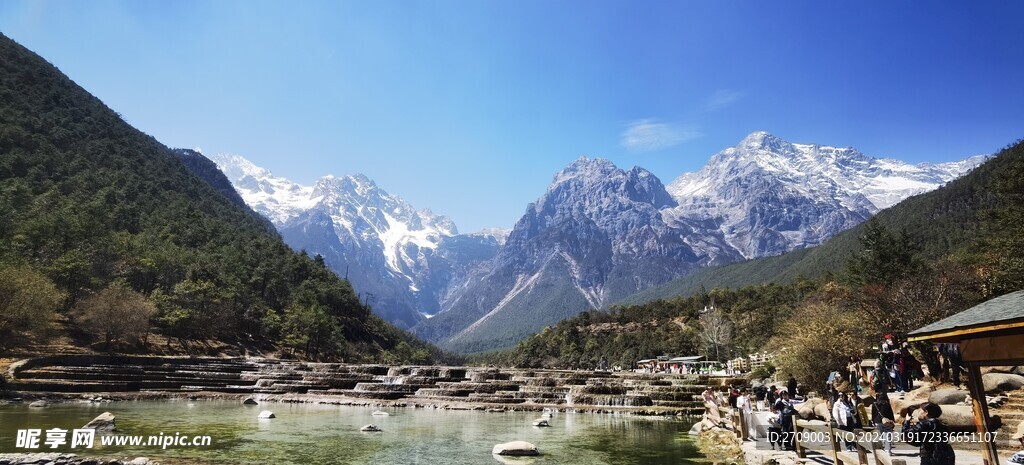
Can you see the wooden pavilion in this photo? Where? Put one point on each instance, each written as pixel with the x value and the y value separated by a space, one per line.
pixel 989 334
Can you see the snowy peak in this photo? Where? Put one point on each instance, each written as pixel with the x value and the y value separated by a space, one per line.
pixel 770 196
pixel 403 257
pixel 820 171
pixel 596 186
pixel 592 169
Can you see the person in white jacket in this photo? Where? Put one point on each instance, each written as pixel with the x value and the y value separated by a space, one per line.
pixel 745 405
pixel 842 413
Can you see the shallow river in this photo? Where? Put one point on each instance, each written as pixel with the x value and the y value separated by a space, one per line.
pixel 325 434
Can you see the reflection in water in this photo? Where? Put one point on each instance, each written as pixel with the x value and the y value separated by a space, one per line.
pixel 304 433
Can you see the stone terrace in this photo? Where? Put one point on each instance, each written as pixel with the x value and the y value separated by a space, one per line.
pixel 488 387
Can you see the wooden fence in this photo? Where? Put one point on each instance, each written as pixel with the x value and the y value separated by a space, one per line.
pixel 805 429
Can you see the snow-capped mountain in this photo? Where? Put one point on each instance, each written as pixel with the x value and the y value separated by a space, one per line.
pixel 596 235
pixel 601 233
pixel 400 259
pixel 768 196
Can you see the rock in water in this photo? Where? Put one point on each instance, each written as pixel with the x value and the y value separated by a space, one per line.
pixel 517 448
pixel 38 404
pixel 249 401
pixel 102 423
pixel 379 413
pixel 266 414
pixel 541 423
pixel 139 461
pixel 371 428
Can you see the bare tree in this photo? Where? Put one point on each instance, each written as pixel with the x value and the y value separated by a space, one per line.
pixel 716 330
pixel 116 313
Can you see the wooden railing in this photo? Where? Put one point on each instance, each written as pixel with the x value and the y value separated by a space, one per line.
pixel 740 424
pixel 825 430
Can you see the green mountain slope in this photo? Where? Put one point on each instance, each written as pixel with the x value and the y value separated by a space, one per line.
pixel 942 221
pixel 87 200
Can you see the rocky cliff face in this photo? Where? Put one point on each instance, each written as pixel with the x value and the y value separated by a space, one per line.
pixel 401 260
pixel 596 235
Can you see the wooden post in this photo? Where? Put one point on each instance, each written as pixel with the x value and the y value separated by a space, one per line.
pixel 862 452
pixel 834 439
pixel 800 452
pixel 981 418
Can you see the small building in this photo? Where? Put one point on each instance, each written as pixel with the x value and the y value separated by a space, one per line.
pixel 989 334
pixel 685 365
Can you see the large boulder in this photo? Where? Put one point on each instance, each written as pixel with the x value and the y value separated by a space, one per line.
pixel 948 396
pixel 249 401
pixel 997 382
pixel 103 423
pixel 960 418
pixel 371 428
pixel 901 407
pixel 918 395
pixel 38 404
pixel 542 423
pixel 266 415
pixel 806 409
pixel 821 412
pixel 516 448
pixel 997 369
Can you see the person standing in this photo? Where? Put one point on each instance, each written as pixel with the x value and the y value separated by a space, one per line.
pixel 952 361
pixel 784 406
pixel 880 380
pixel 771 397
pixel 883 418
pixel 930 435
pixel 860 412
pixel 842 413
pixel 743 404
pixel 899 368
pixel 853 371
pixel 791 386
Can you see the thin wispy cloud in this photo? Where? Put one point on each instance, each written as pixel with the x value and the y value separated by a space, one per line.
pixel 648 135
pixel 721 99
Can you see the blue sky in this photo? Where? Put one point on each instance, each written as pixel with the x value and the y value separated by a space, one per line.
pixel 469 107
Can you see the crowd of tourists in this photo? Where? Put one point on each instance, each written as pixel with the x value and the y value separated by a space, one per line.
pixel 846 397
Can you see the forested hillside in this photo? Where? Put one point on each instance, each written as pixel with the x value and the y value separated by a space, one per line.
pixel 94 213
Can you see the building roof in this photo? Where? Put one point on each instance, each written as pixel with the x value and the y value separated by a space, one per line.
pixel 1003 312
pixel 690 358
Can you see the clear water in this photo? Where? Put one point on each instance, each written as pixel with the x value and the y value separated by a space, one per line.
pixel 326 434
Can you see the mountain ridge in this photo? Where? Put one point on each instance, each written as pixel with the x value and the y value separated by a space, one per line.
pixel 600 234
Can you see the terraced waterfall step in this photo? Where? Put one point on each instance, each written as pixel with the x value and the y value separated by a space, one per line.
pixel 536 388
